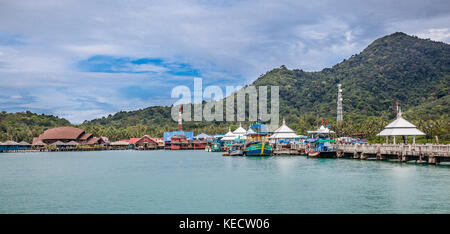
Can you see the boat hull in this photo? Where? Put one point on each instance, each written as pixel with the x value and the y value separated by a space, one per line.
pixel 236 153
pixel 258 150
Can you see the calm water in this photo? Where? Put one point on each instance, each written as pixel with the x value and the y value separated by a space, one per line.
pixel 201 182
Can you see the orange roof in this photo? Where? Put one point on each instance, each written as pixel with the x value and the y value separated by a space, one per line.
pixel 93 140
pixel 67 133
pixel 134 140
pixel 85 136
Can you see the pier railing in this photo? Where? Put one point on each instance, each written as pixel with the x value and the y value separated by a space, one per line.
pixel 409 149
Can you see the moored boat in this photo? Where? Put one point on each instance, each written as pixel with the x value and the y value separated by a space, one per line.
pixel 257 141
pixel 236 149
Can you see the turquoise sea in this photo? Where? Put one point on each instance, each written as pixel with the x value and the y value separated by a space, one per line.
pixel 201 182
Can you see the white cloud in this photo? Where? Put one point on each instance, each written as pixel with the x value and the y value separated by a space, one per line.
pixel 441 34
pixel 231 43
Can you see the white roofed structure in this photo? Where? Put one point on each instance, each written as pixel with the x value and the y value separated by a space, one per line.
pixel 321 131
pixel 229 136
pixel 284 132
pixel 401 127
pixel 240 132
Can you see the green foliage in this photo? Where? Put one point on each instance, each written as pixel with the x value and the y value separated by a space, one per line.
pixel 23 126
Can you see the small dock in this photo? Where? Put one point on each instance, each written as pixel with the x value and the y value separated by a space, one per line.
pixel 417 153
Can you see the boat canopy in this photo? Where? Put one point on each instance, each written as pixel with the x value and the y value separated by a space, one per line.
pixel 259 128
pixel 325 140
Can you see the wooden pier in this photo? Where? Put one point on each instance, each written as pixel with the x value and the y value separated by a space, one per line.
pixel 418 153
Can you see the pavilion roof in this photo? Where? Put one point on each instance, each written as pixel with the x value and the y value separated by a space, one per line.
pixel 229 136
pixel 240 130
pixel 401 127
pixel 10 143
pixel 284 132
pixel 39 143
pixel 321 130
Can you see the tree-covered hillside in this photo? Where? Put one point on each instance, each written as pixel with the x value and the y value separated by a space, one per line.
pixel 394 68
pixel 23 126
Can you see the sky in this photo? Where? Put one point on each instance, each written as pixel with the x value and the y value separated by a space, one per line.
pixel 82 60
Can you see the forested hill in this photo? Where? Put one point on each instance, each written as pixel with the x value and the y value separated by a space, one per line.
pixel 22 126
pixel 397 67
pixel 394 68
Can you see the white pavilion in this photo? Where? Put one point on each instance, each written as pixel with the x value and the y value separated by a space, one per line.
pixel 400 127
pixel 229 136
pixel 322 131
pixel 240 132
pixel 284 133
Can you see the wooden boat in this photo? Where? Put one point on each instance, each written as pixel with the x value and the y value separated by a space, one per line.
pixel 236 149
pixel 258 142
pixel 321 149
pixel 313 153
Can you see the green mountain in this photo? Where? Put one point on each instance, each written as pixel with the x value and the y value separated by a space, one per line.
pixel 398 67
pixel 394 68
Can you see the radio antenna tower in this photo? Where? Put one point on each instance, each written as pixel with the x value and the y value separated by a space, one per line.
pixel 180 120
pixel 339 104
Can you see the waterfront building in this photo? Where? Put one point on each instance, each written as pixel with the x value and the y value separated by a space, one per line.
pixel 24 145
pixel 204 137
pixel 10 146
pixel 400 127
pixel 160 142
pixel 145 142
pixel 38 144
pixel 179 139
pixel 119 144
pixel 65 135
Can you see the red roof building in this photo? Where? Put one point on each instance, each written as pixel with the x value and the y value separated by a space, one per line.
pixel 65 135
pixel 145 142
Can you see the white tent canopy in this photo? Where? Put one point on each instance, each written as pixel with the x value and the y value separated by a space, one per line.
pixel 229 136
pixel 284 132
pixel 240 132
pixel 400 127
pixel 321 130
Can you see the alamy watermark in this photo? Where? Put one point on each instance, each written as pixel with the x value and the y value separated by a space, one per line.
pixel 214 109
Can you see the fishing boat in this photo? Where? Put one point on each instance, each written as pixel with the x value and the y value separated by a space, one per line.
pixel 321 149
pixel 236 149
pixel 215 147
pixel 257 141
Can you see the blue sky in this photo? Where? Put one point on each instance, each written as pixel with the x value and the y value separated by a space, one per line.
pixel 86 60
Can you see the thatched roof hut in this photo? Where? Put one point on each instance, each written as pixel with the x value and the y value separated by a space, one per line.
pixel 23 143
pixel 72 143
pixel 10 143
pixel 58 143
pixel 39 143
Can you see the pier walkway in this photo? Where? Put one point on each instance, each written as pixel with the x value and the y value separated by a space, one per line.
pixel 418 153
